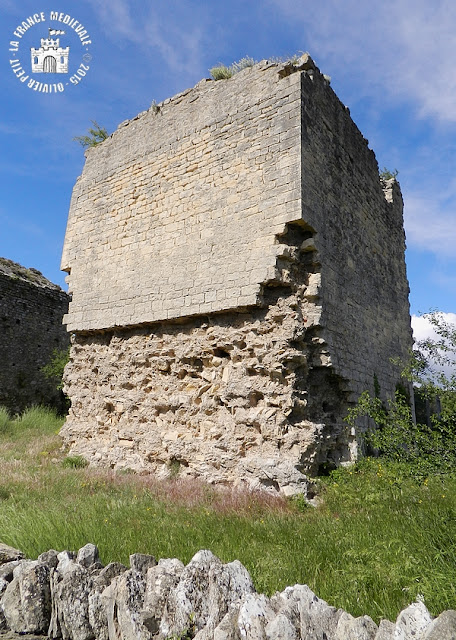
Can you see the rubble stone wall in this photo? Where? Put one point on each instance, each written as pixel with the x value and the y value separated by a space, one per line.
pixel 238 279
pixel 73 596
pixel 31 312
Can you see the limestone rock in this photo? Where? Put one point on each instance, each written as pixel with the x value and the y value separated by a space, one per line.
pixel 6 574
pixel 50 558
pixel 71 584
pixel 386 630
pixel 7 554
pixel 350 628
pixel 98 618
pixel 26 602
pixel 281 628
pixel 316 620
pixel 161 579
pixel 412 622
pixel 87 555
pixel 123 601
pixel 255 614
pixel 443 627
pixel 205 592
pixel 140 562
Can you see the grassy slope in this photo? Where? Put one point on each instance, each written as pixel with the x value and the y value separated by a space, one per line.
pixel 375 543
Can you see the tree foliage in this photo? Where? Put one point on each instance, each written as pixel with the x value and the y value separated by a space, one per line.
pixel 96 134
pixel 393 433
pixel 53 370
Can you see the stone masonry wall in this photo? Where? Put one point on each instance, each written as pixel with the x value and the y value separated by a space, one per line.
pixel 238 278
pixel 176 214
pixel 31 312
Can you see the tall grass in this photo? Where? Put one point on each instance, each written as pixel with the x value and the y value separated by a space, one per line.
pixel 378 539
pixel 4 419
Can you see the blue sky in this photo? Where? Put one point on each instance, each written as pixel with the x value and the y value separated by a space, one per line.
pixel 391 62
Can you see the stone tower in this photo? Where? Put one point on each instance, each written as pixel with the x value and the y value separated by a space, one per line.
pixel 237 275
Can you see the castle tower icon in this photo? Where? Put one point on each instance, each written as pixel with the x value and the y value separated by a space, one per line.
pixel 50 57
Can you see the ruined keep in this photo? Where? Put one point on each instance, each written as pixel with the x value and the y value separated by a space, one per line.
pixel 237 273
pixel 31 312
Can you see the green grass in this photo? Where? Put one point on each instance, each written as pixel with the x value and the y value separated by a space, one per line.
pixel 378 539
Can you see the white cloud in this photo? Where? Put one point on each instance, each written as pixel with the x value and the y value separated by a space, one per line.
pixel 178 42
pixel 401 49
pixel 423 329
pixel 115 18
pixel 430 222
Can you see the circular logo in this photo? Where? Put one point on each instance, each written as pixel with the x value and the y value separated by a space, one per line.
pixel 49 52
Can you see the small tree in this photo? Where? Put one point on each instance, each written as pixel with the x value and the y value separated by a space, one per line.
pixel 386 174
pixel 96 135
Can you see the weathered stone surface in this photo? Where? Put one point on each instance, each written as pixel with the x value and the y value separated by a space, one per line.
pixel 205 592
pixel 255 614
pixel 8 554
pixel 142 562
pixel 71 584
pixel 26 601
pixel 412 622
pixel 161 579
pixel 31 312
pixel 6 574
pixel 98 618
pixel 214 252
pixel 386 630
pixel 315 619
pixel 443 627
pixel 350 628
pixel 281 628
pixel 50 558
pixel 88 555
pixel 123 601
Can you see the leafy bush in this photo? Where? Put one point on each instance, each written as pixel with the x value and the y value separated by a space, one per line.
pixel 395 437
pixel 221 72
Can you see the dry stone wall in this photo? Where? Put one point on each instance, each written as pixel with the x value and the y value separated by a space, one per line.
pixel 31 312
pixel 73 596
pixel 238 279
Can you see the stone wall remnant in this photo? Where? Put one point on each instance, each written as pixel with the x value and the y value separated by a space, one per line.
pixel 72 596
pixel 237 274
pixel 31 312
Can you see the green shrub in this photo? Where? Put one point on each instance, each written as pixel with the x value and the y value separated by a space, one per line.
pixel 75 462
pixel 55 367
pixel 221 72
pixel 395 437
